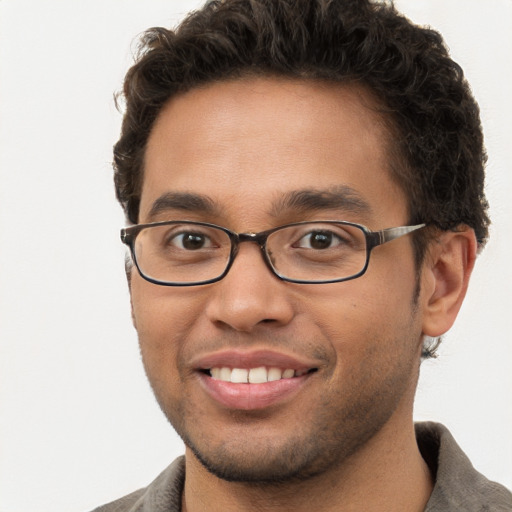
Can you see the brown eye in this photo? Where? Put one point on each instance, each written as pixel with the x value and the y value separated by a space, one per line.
pixel 190 241
pixel 319 240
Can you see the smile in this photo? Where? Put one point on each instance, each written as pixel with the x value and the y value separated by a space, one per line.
pixel 259 375
pixel 254 379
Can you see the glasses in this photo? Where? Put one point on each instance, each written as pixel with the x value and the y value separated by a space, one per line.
pixel 181 253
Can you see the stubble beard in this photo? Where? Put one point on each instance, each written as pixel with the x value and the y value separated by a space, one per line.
pixel 298 459
pixel 326 439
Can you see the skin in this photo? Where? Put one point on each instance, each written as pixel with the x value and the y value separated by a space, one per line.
pixel 345 439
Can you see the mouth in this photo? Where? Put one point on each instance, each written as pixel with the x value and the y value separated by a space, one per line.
pixel 255 380
pixel 258 375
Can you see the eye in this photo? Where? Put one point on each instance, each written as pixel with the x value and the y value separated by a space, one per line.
pixel 319 240
pixel 190 241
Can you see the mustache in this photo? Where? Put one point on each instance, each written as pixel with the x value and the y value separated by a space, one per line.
pixel 287 344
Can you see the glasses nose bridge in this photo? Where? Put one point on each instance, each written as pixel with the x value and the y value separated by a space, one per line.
pixel 256 238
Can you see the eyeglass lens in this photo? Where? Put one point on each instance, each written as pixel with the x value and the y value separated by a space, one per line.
pixel 188 252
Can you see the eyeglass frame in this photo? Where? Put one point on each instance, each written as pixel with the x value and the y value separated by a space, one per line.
pixel 373 239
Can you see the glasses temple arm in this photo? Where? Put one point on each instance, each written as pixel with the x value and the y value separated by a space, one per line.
pixel 376 238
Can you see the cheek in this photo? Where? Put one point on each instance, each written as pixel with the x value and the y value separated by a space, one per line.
pixel 359 303
pixel 162 312
pixel 163 318
pixel 374 336
pixel 368 314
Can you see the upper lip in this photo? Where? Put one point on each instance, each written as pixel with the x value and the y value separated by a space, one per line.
pixel 253 359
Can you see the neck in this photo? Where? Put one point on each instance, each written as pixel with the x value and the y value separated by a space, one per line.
pixel 388 473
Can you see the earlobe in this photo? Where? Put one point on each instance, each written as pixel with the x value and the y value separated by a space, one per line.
pixel 447 270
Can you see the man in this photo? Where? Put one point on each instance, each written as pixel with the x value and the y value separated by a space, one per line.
pixel 305 184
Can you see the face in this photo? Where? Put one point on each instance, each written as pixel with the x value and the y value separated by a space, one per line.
pixel 345 355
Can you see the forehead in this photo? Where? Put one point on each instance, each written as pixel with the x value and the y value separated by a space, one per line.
pixel 242 144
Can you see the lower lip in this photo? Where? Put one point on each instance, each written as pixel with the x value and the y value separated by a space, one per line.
pixel 251 396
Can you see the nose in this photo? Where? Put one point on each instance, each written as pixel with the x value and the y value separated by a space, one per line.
pixel 249 295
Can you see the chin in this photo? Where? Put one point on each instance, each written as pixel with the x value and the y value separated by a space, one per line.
pixel 277 458
pixel 261 466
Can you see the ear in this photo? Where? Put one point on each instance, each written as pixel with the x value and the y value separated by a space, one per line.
pixel 446 272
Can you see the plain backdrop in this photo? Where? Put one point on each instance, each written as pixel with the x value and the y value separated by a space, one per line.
pixel 78 423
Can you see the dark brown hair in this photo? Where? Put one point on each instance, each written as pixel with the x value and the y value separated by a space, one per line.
pixel 437 144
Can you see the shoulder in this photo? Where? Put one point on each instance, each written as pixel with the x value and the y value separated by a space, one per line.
pixel 162 495
pixel 124 504
pixel 458 485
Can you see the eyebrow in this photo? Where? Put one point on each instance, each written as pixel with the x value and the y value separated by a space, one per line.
pixel 183 201
pixel 341 197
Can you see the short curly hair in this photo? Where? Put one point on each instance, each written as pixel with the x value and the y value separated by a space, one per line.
pixel 436 137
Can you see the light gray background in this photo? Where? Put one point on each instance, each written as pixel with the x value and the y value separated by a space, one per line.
pixel 78 423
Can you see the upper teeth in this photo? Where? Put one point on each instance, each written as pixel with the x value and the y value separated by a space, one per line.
pixel 253 375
